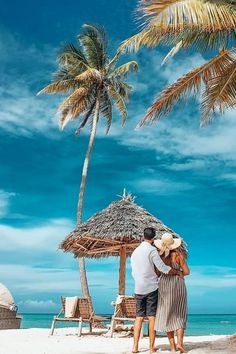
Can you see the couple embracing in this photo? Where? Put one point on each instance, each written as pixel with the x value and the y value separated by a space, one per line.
pixel 158 269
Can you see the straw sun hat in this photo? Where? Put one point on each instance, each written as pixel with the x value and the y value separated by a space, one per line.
pixel 167 243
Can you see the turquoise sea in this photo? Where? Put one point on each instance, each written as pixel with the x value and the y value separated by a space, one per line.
pixel 197 324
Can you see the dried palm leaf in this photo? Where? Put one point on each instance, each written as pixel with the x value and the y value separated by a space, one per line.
pixel 89 76
pixel 220 92
pixel 77 95
pixel 123 69
pixel 202 40
pixel 120 103
pixel 204 23
pixel 172 52
pixel 59 86
pixel 184 86
pixel 149 37
pixel 178 14
pixel 106 109
pixel 75 110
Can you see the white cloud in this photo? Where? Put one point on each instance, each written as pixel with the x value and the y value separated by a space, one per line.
pixel 176 67
pixel 211 277
pixel 35 238
pixel 185 140
pixel 5 202
pixel 22 113
pixel 190 164
pixel 22 279
pixel 162 186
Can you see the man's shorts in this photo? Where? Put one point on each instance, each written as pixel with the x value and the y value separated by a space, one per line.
pixel 146 305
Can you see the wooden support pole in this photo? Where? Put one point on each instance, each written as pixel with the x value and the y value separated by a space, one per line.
pixel 122 270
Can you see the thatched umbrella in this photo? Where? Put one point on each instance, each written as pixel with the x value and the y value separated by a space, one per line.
pixel 115 231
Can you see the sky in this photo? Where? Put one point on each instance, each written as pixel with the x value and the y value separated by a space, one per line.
pixel 183 174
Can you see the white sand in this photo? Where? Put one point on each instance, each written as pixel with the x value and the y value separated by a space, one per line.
pixel 65 341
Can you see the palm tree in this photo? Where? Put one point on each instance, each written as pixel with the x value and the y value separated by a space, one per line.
pixel 205 25
pixel 93 84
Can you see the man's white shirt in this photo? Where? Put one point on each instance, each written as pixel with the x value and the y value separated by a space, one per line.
pixel 143 260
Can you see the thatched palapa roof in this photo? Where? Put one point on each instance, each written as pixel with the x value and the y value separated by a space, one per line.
pixel 120 224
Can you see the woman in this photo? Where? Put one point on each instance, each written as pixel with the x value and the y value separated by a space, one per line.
pixel 172 299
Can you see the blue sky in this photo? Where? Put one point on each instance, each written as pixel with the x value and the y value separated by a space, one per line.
pixel 184 175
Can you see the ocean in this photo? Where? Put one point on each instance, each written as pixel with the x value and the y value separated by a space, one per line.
pixel 197 324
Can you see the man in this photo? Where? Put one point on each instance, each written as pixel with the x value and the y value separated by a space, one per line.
pixel 143 262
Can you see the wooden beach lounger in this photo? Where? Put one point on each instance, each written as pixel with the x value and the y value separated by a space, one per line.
pixel 81 312
pixel 125 310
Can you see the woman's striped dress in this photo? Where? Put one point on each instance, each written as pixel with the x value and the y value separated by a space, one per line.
pixel 172 303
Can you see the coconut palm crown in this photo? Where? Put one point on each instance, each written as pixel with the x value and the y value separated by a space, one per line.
pixel 88 75
pixel 204 25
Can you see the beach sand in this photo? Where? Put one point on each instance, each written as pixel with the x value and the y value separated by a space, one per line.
pixel 65 341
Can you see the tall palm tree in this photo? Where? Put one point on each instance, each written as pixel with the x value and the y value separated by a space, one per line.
pixel 205 25
pixel 93 84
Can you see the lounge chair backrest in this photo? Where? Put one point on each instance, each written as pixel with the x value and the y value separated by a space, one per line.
pixel 129 307
pixel 84 308
pixel 126 308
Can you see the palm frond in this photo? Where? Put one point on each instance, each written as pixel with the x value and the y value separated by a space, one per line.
pixel 119 102
pixel 64 118
pixel 89 76
pixel 73 59
pixel 59 86
pixel 106 109
pixel 94 44
pixel 184 86
pixel 62 74
pixel 74 51
pixel 81 92
pixel 73 111
pixel 123 88
pixel 220 92
pixel 113 61
pixel 123 69
pixel 81 105
pixel 177 14
pixel 201 40
pixel 149 37
pixel 205 23
pixel 98 32
pixel 172 52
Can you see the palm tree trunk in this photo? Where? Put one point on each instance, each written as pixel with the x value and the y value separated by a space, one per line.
pixel 83 277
